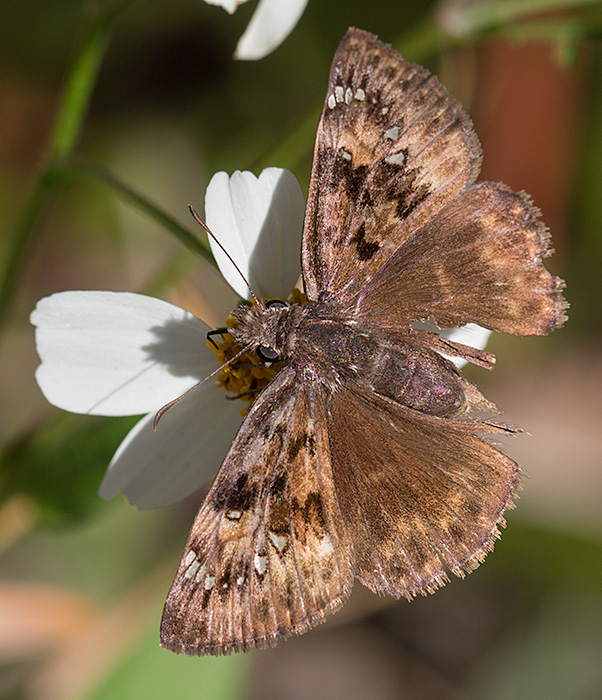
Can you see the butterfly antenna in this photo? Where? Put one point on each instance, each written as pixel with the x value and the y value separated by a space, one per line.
pixel 167 406
pixel 200 221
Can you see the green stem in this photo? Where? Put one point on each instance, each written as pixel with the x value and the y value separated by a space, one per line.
pixel 71 114
pixel 78 92
pixel 132 196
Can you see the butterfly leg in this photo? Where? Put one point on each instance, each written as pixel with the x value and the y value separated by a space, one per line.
pixel 217 331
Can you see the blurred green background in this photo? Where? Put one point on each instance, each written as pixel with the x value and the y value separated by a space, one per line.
pixel 82 581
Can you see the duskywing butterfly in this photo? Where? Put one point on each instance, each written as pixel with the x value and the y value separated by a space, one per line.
pixel 364 458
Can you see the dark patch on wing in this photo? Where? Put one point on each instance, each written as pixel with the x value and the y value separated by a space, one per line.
pixel 417 551
pixel 280 514
pixel 225 579
pixel 235 494
pixel 365 249
pixel 366 199
pixel 342 171
pixel 375 58
pixel 472 508
pixel 409 196
pixel 278 484
pixel 456 532
pixel 291 595
pixel 390 73
pixel 295 445
pixel 355 181
pixel 313 512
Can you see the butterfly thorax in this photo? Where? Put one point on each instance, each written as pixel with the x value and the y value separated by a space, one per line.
pixel 268 327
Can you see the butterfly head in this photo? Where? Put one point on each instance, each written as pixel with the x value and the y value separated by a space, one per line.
pixel 268 327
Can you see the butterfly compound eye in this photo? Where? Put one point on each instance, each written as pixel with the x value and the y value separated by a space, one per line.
pixel 276 304
pixel 266 354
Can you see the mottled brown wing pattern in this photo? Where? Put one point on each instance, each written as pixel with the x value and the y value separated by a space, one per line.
pixel 392 148
pixel 267 555
pixel 362 457
pixel 419 494
pixel 480 260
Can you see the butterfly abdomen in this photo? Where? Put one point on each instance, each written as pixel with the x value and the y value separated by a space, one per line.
pixel 341 352
pixel 419 379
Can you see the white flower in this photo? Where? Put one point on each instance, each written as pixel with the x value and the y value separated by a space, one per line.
pixel 117 353
pixel 272 22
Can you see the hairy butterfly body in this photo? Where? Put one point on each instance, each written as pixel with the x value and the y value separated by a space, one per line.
pixel 363 458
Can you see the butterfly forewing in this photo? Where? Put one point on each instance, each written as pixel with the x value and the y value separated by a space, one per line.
pixel 267 555
pixel 392 147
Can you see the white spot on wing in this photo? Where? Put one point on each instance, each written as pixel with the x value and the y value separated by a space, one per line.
pixel 332 103
pixel 201 573
pixel 261 564
pixel 279 541
pixel 325 547
pixel 190 557
pixel 192 569
pixel 360 94
pixel 345 154
pixel 339 93
pixel 209 582
pixel 396 159
pixel 348 96
pixel 234 514
pixel 392 134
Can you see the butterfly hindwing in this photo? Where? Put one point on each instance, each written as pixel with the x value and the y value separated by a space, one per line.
pixel 392 148
pixel 421 495
pixel 479 260
pixel 267 555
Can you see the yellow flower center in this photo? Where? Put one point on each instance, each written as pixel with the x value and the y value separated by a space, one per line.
pixel 246 376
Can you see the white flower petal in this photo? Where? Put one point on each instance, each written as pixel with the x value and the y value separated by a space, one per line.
pixel 228 5
pixel 156 469
pixel 271 23
pixel 259 221
pixel 213 297
pixel 116 353
pixel 471 334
